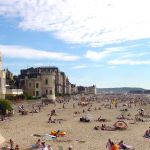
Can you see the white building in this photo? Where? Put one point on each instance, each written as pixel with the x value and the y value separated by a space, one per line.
pixel 40 85
pixel 2 80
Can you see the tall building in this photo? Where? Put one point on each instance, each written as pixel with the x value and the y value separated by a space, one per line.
pixel 74 89
pixel 2 80
pixel 38 82
pixel 91 89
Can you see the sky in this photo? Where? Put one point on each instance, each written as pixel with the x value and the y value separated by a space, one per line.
pixel 101 42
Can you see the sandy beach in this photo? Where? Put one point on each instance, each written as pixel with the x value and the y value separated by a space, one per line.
pixel 80 135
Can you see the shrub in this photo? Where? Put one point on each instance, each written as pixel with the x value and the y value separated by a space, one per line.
pixel 5 105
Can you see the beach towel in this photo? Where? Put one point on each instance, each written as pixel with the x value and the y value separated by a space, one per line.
pixel 48 137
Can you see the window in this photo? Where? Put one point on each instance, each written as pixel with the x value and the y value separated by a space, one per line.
pixel 29 84
pixel 50 92
pixel 46 81
pixel 37 93
pixel 46 92
pixel 37 85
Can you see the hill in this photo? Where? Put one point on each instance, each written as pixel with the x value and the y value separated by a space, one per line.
pixel 121 90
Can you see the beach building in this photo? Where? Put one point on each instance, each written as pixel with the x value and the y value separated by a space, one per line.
pixel 2 80
pixel 91 89
pixel 7 83
pixel 64 82
pixel 60 81
pixel 68 86
pixel 38 83
pixel 86 90
pixel 73 89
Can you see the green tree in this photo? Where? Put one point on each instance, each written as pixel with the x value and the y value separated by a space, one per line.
pixel 5 105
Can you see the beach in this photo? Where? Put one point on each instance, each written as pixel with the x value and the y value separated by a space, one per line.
pixel 80 135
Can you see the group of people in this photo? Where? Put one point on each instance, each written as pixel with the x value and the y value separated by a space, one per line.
pixel 120 146
pixel 39 145
pixel 12 146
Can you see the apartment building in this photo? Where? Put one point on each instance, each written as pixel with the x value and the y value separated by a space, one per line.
pixel 32 81
pixel 40 85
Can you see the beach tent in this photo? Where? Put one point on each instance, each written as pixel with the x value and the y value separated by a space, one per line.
pixel 120 125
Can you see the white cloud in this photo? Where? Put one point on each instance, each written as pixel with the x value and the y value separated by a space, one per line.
pixel 97 56
pixel 94 22
pixel 29 53
pixel 79 66
pixel 129 62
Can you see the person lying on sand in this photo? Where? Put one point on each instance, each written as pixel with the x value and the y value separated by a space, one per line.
pixel 122 146
pixel 38 143
pixel 107 128
pixel 49 147
pixel 147 133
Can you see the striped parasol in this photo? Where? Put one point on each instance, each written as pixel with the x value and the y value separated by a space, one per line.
pixel 120 125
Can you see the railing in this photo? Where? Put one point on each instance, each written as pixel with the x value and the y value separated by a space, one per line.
pixel 14 91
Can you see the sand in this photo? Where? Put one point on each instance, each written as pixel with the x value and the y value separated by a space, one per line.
pixel 2 140
pixel 80 135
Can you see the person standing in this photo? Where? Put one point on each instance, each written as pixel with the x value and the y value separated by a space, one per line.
pixel 11 144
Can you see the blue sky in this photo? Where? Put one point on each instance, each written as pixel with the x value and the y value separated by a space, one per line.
pixel 102 42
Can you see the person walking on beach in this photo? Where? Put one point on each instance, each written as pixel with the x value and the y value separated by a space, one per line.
pixel 50 119
pixel 11 144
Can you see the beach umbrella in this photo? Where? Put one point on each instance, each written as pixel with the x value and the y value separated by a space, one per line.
pixel 125 104
pixel 120 125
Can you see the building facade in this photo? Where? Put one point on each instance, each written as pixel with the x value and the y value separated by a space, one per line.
pixel 35 77
pixel 87 90
pixel 2 80
pixel 41 85
pixel 74 89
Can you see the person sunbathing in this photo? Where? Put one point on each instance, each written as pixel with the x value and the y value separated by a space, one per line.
pixel 103 127
pixel 99 118
pixel 114 146
pixel 122 145
pixel 147 133
pixel 44 146
pixel 49 147
pixel 17 147
pixel 37 144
